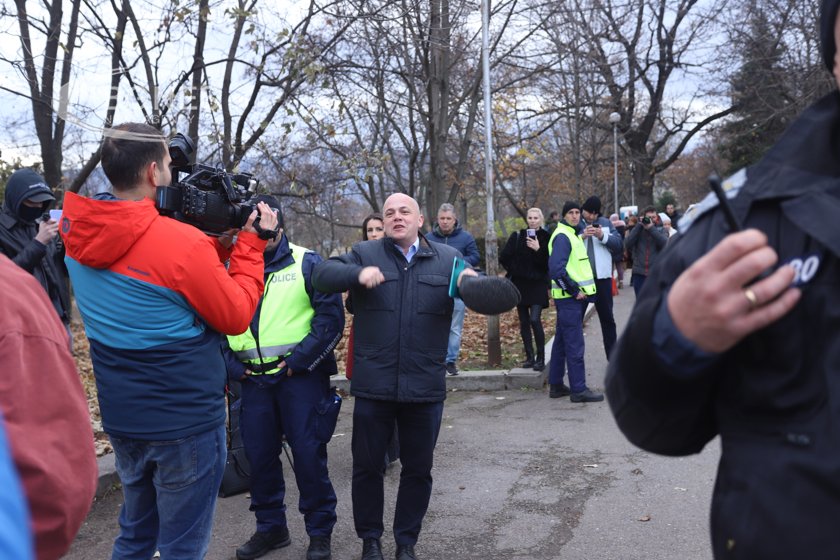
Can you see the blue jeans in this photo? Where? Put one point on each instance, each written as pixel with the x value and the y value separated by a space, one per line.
pixel 170 490
pixel 638 281
pixel 455 329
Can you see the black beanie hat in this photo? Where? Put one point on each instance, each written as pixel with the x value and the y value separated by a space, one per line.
pixel 592 204
pixel 273 203
pixel 570 205
pixel 828 18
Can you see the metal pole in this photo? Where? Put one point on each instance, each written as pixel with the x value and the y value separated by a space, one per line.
pixel 615 166
pixel 494 349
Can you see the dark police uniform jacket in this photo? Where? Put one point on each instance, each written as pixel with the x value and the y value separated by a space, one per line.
pixel 774 398
pixel 401 327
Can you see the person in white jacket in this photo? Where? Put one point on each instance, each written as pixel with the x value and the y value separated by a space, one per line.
pixel 601 240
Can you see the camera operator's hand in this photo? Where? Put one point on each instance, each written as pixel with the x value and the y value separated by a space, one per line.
pixel 715 302
pixel 47 231
pixel 371 277
pixel 268 218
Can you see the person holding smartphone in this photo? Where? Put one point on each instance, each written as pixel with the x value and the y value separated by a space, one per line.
pixel 31 241
pixel 525 257
pixel 602 242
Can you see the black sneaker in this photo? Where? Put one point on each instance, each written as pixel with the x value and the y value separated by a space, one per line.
pixel 586 396
pixel 557 391
pixel 263 542
pixel 451 368
pixel 527 364
pixel 319 548
pixel 539 365
pixel 405 552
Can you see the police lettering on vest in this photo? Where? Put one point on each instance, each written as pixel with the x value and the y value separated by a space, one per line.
pixel 285 318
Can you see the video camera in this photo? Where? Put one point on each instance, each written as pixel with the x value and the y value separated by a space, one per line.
pixel 208 198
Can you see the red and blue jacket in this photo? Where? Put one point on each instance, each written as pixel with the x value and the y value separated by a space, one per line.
pixel 154 296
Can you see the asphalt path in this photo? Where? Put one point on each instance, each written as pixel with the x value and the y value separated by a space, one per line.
pixel 517 476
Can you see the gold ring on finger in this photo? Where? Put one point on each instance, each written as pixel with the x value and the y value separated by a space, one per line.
pixel 750 295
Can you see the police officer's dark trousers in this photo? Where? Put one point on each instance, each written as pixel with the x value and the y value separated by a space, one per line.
pixel 294 406
pixel 568 346
pixel 373 423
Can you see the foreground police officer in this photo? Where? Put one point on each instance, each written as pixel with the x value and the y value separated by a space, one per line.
pixel 572 283
pixel 718 346
pixel 285 360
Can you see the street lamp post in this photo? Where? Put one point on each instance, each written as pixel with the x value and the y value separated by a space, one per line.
pixel 614 118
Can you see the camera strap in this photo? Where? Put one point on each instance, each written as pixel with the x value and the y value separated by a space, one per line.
pixel 266 233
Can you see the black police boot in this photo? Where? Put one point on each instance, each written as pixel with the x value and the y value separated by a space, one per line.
pixel 263 542
pixel 529 358
pixel 319 548
pixel 405 552
pixel 539 364
pixel 557 391
pixel 371 550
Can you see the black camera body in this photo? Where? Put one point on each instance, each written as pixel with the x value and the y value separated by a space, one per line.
pixel 646 220
pixel 207 197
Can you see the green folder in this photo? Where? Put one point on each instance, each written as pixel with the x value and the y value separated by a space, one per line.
pixel 458 266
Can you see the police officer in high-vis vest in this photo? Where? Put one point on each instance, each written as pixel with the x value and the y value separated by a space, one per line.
pixel 572 283
pixel 284 361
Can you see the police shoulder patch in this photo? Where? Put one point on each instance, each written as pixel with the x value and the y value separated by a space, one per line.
pixel 731 187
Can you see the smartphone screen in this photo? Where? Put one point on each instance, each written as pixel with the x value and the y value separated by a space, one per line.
pixel 531 232
pixel 55 215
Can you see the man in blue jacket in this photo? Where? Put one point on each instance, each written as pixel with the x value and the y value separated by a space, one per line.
pixel 401 304
pixel 285 360
pixel 449 232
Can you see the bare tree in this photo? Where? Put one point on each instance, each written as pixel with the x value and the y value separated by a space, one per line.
pixel 49 127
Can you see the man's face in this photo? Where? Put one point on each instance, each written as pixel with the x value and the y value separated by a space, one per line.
pixel 654 218
pixel 589 216
pixel 158 174
pixel 572 217
pixel 446 222
pixel 402 219
pixel 669 209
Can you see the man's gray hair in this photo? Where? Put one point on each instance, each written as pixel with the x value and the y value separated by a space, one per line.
pixel 446 207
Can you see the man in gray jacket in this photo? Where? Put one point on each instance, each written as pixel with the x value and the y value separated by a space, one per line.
pixel 644 242
pixel 400 290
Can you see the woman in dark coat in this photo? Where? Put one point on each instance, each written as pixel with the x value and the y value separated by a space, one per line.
pixel 525 257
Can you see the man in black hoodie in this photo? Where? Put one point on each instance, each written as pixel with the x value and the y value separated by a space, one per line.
pixel 735 334
pixel 32 243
